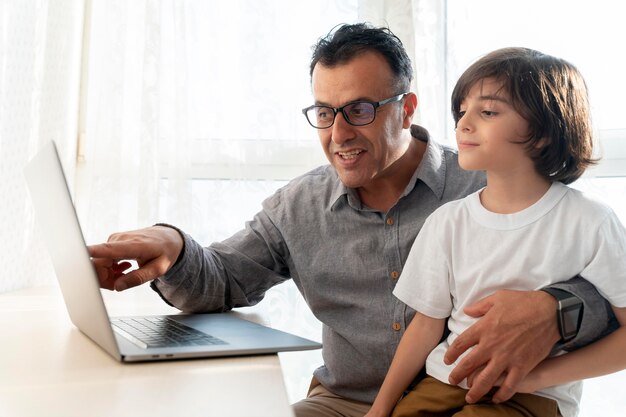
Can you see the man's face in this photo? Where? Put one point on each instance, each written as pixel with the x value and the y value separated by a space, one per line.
pixel 361 154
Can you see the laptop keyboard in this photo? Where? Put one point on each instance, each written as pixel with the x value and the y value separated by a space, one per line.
pixel 150 332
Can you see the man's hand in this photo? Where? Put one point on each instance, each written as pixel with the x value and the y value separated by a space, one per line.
pixel 155 249
pixel 516 331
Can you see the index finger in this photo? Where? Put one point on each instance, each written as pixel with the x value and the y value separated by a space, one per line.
pixel 114 250
pixel 508 386
pixel 468 338
pixel 484 381
pixel 468 365
pixel 148 272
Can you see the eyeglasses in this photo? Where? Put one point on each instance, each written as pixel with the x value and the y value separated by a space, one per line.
pixel 356 113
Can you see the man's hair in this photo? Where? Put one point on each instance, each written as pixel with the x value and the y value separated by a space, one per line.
pixel 346 41
pixel 551 95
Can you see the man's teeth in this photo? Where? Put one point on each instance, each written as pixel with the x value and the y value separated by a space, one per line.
pixel 350 155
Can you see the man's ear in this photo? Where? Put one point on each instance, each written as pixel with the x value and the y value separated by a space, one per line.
pixel 409 107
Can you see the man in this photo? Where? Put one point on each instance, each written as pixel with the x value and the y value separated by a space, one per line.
pixel 342 232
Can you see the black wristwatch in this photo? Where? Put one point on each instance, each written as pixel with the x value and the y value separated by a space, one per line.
pixel 569 313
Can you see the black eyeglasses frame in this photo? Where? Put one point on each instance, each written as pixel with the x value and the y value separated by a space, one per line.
pixel 375 104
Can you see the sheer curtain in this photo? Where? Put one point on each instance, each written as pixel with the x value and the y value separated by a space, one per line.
pixel 40 52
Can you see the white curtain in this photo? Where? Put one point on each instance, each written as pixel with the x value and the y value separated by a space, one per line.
pixel 40 51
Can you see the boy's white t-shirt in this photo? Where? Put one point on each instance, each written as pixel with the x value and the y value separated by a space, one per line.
pixel 464 253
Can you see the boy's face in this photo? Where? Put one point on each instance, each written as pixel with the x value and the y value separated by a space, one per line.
pixel 490 132
pixel 361 154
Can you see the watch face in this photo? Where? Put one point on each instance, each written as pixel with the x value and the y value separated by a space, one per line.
pixel 570 319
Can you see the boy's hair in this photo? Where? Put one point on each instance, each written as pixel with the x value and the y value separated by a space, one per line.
pixel 551 95
pixel 346 41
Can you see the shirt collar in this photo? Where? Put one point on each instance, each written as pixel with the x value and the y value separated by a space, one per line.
pixel 339 191
pixel 431 171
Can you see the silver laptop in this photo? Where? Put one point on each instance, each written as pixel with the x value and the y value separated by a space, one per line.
pixel 132 339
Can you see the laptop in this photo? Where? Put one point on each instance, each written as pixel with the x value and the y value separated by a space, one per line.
pixel 132 339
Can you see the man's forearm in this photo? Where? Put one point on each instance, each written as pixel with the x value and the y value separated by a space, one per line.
pixel 597 320
pixel 234 273
pixel 193 284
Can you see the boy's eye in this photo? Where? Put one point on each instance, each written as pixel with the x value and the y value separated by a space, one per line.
pixel 489 113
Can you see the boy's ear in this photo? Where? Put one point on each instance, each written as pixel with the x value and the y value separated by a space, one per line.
pixel 410 105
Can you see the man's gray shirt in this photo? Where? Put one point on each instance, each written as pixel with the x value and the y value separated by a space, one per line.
pixel 344 258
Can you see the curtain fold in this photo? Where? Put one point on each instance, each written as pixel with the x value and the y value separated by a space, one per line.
pixel 40 45
pixel 117 176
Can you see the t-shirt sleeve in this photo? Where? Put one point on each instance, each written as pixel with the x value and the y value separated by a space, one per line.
pixel 424 284
pixel 607 268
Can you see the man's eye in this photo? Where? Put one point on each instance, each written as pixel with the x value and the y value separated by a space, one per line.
pixel 360 110
pixel 323 114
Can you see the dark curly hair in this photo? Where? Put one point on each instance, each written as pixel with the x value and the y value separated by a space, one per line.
pixel 346 41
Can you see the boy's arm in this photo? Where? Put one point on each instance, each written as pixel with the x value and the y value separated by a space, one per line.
pixel 600 358
pixel 420 338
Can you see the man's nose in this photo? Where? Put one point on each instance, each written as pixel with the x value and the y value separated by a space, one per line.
pixel 342 130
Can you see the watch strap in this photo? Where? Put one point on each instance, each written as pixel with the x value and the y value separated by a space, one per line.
pixel 569 312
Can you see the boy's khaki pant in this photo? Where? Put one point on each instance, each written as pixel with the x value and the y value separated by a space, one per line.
pixel 432 398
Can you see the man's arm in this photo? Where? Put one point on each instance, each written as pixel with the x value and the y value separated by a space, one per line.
pixel 598 319
pixel 516 331
pixel 233 273
pixel 600 358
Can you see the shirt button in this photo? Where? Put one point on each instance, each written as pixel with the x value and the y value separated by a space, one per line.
pixel 396 326
pixel 395 274
pixel 390 221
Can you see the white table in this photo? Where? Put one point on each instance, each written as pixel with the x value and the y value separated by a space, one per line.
pixel 49 368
